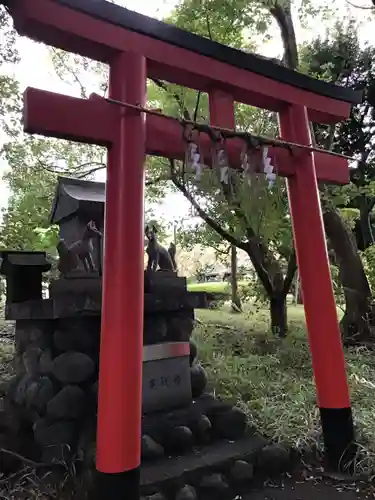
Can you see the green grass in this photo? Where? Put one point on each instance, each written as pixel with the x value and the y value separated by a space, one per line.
pixel 272 380
pixel 213 286
pixel 210 286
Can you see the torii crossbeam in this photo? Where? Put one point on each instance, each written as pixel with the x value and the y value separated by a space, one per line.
pixel 137 47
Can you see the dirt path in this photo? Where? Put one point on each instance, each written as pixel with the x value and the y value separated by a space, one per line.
pixel 310 490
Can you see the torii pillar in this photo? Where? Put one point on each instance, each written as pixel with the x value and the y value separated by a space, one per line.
pixel 120 388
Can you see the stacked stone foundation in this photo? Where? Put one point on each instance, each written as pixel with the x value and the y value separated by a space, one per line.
pixel 55 389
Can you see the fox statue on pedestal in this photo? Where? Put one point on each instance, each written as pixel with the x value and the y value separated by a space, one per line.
pixel 79 252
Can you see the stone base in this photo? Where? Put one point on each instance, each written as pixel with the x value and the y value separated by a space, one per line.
pixel 199 466
pixel 73 305
pixel 159 282
pixel 78 284
pixel 57 377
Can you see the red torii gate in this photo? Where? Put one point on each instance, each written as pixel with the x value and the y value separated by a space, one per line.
pixel 137 47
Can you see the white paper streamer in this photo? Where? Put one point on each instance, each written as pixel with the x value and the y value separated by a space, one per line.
pixel 268 168
pixel 194 160
pixel 246 166
pixel 222 161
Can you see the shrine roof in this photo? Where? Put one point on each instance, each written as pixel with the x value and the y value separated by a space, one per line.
pixel 168 33
pixel 73 195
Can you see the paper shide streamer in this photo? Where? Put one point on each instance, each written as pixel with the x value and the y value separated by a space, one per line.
pixel 250 163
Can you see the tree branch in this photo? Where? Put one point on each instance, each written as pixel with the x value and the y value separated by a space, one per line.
pixel 202 214
pixel 91 171
pixel 64 171
pixel 251 247
pixel 71 71
pixel 162 85
pixel 362 7
pixel 283 16
pixel 161 178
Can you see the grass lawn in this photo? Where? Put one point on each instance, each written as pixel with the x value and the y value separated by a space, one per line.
pixel 210 286
pixel 214 286
pixel 272 379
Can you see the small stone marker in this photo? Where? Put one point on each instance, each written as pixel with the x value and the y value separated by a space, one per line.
pixel 166 376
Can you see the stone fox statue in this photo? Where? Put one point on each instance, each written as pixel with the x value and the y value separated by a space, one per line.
pixel 158 256
pixel 78 252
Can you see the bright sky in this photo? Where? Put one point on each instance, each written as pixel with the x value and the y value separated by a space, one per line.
pixel 36 70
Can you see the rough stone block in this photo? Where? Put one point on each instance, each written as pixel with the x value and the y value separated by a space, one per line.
pixel 32 309
pixel 187 492
pixel 78 334
pixel 31 360
pixel 150 449
pixel 73 368
pixel 165 282
pixel 154 329
pixel 46 392
pixel 47 433
pixel 46 363
pixel 180 326
pixel 241 472
pixel 69 403
pixel 32 334
pixel 80 285
pixel 273 460
pixel 198 380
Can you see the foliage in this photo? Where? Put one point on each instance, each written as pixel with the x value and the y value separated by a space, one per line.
pixel 9 93
pixel 368 258
pixel 248 290
pixel 272 379
pixel 339 57
pixel 32 179
pixel 350 216
pixel 8 51
pixel 337 286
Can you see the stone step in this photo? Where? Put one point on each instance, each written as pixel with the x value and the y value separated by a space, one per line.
pixel 172 472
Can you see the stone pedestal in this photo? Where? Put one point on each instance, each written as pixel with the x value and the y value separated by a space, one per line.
pixel 57 358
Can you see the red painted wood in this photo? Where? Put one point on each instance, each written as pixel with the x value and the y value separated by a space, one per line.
pixel 318 297
pixel 121 348
pixel 95 121
pixel 221 106
pixel 63 27
pixel 92 122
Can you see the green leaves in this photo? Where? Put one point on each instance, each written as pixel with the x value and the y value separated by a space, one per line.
pixel 221 20
pixel 8 51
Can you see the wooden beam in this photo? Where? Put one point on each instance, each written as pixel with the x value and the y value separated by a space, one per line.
pixel 94 121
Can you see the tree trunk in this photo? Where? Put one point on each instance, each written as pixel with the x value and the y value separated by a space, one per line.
pixel 279 317
pixel 299 295
pixel 297 290
pixel 236 301
pixel 356 325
